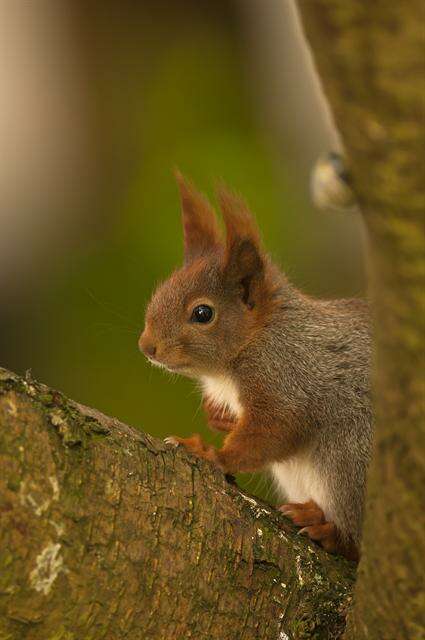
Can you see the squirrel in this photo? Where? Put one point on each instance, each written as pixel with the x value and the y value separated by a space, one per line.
pixel 284 376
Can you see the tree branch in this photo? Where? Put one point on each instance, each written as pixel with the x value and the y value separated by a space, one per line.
pixel 109 533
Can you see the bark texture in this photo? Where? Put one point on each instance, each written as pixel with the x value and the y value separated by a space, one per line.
pixel 371 60
pixel 107 533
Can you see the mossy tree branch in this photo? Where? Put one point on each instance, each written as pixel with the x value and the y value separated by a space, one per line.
pixel 108 533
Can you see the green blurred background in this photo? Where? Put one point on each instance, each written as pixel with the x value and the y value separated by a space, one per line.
pixel 103 100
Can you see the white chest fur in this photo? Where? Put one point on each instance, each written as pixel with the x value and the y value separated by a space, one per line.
pixel 223 392
pixel 298 480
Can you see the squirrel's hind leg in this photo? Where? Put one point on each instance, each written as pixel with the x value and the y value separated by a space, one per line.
pixel 329 537
pixel 311 518
pixel 303 514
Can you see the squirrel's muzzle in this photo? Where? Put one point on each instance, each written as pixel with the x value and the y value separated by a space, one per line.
pixel 147 344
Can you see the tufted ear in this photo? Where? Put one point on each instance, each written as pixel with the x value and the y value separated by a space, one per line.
pixel 244 261
pixel 200 227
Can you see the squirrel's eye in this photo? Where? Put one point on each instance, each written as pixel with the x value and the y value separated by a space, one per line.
pixel 202 313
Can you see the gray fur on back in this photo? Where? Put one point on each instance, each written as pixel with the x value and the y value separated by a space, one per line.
pixel 313 361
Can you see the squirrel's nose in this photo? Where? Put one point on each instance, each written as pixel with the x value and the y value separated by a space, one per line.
pixel 147 345
pixel 150 349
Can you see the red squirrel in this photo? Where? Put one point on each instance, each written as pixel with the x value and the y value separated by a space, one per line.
pixel 284 376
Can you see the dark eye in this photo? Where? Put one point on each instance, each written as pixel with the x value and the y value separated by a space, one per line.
pixel 202 313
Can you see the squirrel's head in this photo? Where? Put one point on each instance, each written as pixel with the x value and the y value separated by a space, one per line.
pixel 202 316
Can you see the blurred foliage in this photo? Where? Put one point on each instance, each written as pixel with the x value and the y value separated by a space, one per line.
pixel 195 113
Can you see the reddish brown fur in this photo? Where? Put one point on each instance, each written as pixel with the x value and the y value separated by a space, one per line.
pixel 311 518
pixel 238 220
pixel 242 264
pixel 245 259
pixel 260 315
pixel 201 232
pixel 218 420
pixel 254 439
pixel 249 445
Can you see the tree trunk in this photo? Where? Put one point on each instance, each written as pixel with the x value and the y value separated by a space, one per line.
pixel 370 57
pixel 108 533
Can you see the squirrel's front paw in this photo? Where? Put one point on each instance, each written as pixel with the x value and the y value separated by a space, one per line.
pixel 219 419
pixel 194 445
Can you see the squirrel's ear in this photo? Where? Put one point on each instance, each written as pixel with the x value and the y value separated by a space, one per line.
pixel 244 260
pixel 200 228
